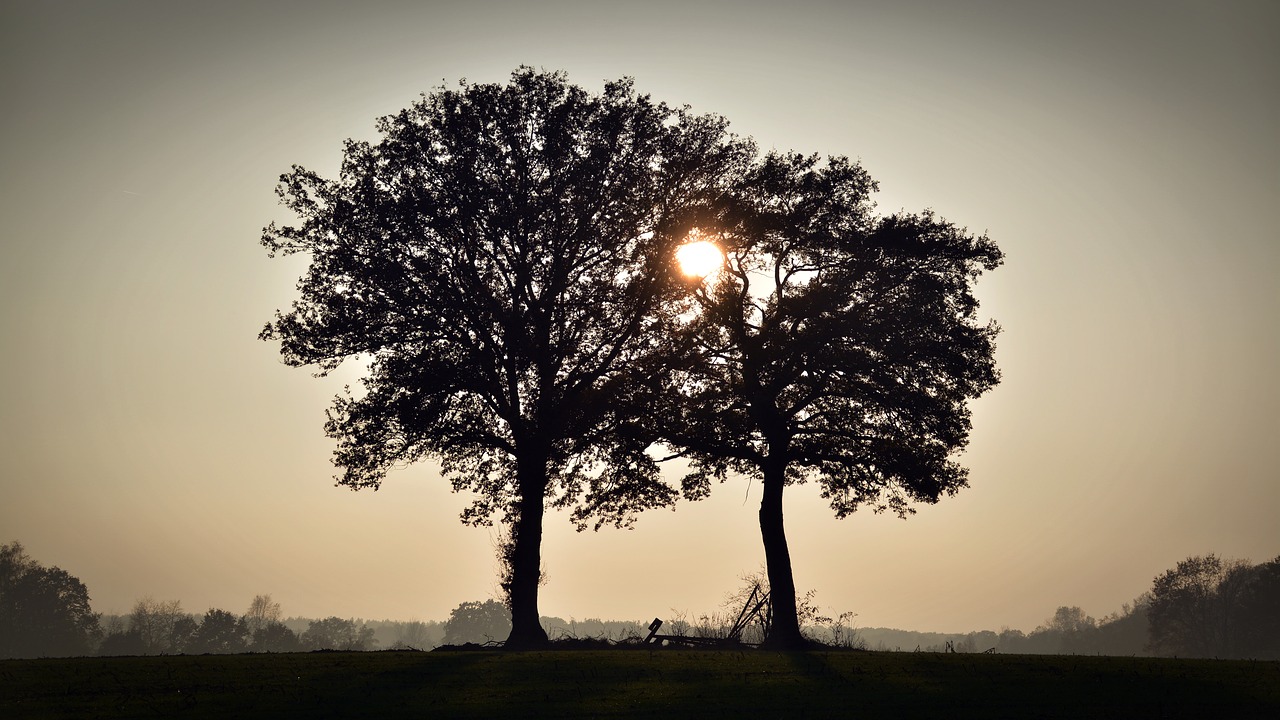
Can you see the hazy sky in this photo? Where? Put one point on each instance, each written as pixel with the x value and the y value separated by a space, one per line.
pixel 1125 156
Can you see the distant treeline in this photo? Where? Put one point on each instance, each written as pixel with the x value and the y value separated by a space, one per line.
pixel 1069 631
pixel 1204 607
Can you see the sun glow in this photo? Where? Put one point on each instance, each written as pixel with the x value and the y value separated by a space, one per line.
pixel 699 259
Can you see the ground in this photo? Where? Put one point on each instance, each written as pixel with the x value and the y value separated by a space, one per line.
pixel 639 683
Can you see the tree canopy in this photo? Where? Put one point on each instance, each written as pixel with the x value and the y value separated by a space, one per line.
pixel 44 611
pixel 503 259
pixel 335 633
pixel 835 345
pixel 1211 607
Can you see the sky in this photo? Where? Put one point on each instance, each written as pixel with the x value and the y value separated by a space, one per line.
pixel 1124 155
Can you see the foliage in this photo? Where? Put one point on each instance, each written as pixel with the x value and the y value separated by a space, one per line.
pixel 220 632
pixel 44 611
pixel 1072 626
pixel 500 257
pixel 335 633
pixel 1124 632
pixel 835 346
pixel 1260 612
pixel 477 622
pixel 412 635
pixel 261 613
pixel 275 637
pixel 154 628
pixel 1210 607
pixel 121 643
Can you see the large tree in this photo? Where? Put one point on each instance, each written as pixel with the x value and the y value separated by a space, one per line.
pixel 502 258
pixel 834 345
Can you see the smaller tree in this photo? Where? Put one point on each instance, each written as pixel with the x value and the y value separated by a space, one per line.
pixel 833 346
pixel 477 622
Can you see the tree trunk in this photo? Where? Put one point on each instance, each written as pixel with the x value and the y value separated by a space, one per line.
pixel 526 557
pixel 784 630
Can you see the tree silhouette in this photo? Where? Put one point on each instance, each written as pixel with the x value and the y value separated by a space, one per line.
pixel 275 636
pixel 836 346
pixel 220 633
pixel 44 611
pixel 335 633
pixel 501 258
pixel 261 613
pixel 162 628
pixel 1260 612
pixel 1211 607
pixel 478 622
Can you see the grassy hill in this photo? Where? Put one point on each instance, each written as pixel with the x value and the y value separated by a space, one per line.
pixel 637 684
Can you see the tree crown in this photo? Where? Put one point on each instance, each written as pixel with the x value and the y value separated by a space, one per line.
pixel 502 259
pixel 837 343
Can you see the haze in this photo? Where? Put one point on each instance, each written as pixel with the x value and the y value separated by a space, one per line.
pixel 1123 155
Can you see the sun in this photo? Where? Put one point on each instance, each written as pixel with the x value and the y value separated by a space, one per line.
pixel 699 259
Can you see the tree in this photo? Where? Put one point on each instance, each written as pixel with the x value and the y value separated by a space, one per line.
pixel 275 637
pixel 1125 632
pixel 1201 608
pixel 414 634
pixel 834 346
pixel 1260 613
pixel 120 643
pixel 500 258
pixel 44 611
pixel 220 633
pixel 1073 628
pixel 477 622
pixel 335 633
pixel 160 627
pixel 261 613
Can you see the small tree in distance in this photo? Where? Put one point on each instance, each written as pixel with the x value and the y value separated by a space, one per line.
pixel 275 637
pixel 503 258
pixel 261 613
pixel 220 633
pixel 335 633
pixel 477 622
pixel 44 611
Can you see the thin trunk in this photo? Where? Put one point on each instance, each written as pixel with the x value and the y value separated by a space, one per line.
pixel 526 557
pixel 784 630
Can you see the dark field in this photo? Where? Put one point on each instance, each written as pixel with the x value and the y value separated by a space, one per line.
pixel 637 683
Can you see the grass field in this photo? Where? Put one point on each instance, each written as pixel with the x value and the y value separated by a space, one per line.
pixel 637 684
